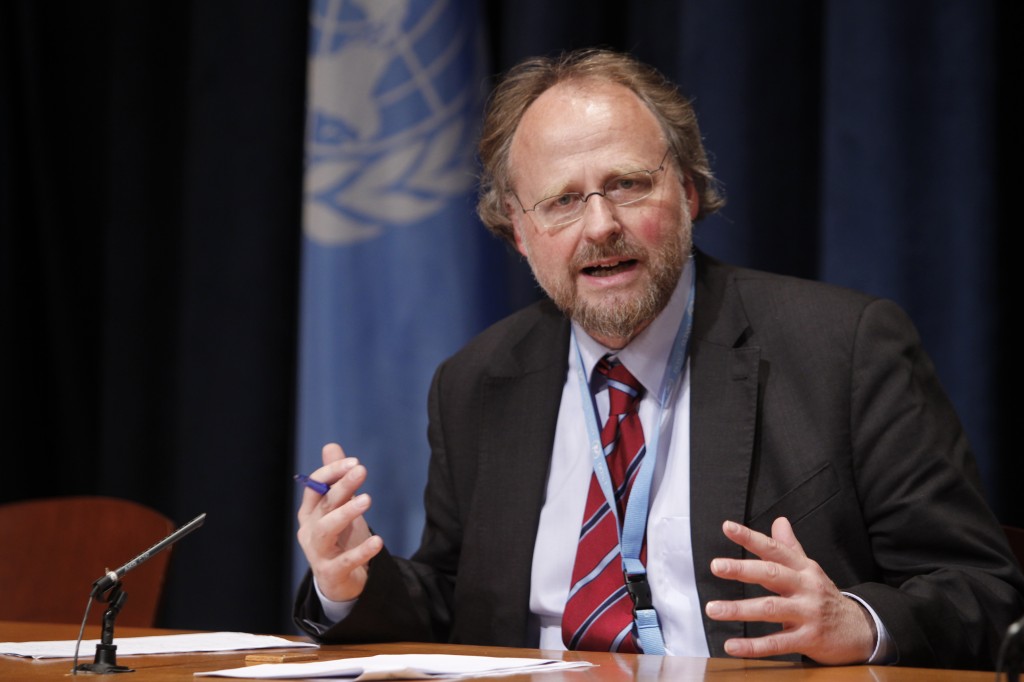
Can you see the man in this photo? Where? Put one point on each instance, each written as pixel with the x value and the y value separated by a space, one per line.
pixel 789 436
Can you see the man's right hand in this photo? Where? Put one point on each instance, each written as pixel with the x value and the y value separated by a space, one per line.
pixel 332 531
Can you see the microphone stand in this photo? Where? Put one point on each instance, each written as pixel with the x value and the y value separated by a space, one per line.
pixel 105 660
pixel 109 585
pixel 1011 652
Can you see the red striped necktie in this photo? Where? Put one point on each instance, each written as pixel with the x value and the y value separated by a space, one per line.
pixel 598 614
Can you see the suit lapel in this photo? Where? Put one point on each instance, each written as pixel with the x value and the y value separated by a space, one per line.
pixel 520 403
pixel 723 428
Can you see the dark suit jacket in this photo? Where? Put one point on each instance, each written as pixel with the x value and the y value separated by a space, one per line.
pixel 808 401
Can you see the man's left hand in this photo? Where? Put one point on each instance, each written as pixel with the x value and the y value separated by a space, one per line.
pixel 817 620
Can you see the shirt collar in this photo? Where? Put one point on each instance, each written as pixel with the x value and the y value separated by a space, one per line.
pixel 646 356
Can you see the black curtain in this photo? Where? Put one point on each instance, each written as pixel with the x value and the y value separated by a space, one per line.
pixel 871 144
pixel 150 206
pixel 151 182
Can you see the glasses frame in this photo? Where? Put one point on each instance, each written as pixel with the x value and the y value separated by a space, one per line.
pixel 586 197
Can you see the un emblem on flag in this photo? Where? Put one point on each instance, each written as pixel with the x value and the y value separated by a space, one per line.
pixel 392 103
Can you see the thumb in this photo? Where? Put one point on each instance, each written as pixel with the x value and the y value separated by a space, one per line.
pixel 332 452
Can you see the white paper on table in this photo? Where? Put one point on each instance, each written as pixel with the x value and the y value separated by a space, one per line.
pixel 398 667
pixel 154 644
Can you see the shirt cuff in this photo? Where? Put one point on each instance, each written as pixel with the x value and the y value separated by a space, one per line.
pixel 334 611
pixel 884 652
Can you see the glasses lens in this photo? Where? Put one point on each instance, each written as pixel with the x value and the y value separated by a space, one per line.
pixel 559 210
pixel 625 189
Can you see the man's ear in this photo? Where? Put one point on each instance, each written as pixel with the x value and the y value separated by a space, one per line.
pixel 517 233
pixel 516 219
pixel 692 197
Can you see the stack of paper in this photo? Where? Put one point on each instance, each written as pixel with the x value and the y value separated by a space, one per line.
pixel 399 667
pixel 156 644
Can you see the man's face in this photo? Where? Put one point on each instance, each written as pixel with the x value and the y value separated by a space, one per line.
pixel 614 269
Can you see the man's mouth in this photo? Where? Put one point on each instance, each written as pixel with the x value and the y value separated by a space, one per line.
pixel 609 269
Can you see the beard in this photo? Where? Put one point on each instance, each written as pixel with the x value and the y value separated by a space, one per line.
pixel 620 315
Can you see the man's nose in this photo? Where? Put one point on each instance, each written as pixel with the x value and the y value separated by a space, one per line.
pixel 599 219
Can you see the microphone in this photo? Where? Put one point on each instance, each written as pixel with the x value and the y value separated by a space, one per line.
pixel 113 577
pixel 1011 652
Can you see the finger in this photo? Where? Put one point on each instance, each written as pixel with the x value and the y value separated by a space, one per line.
pixel 766 609
pixel 332 452
pixel 761 545
pixel 347 519
pixel 776 644
pixel 771 575
pixel 334 465
pixel 344 476
pixel 344 577
pixel 782 531
pixel 335 532
pixel 356 557
pixel 332 474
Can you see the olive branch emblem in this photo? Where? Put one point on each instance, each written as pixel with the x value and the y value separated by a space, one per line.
pixel 350 199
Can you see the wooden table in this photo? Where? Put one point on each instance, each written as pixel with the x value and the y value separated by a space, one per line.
pixel 611 667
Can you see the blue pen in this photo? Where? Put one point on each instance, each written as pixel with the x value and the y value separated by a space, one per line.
pixel 317 486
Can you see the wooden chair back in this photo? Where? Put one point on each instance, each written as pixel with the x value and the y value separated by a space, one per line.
pixel 52 550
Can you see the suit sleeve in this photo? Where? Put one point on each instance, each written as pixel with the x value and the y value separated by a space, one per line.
pixel 949 585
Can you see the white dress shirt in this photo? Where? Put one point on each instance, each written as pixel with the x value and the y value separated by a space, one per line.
pixel 669 554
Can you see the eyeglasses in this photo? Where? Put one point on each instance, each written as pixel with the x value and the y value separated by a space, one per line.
pixel 622 190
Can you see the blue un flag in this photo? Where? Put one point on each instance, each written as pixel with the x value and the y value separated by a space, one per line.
pixel 394 259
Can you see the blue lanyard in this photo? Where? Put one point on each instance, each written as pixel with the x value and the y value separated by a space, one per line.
pixel 631 532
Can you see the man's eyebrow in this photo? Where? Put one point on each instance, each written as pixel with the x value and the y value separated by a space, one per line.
pixel 557 189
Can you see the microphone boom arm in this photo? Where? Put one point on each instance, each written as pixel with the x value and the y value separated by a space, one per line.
pixel 113 577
